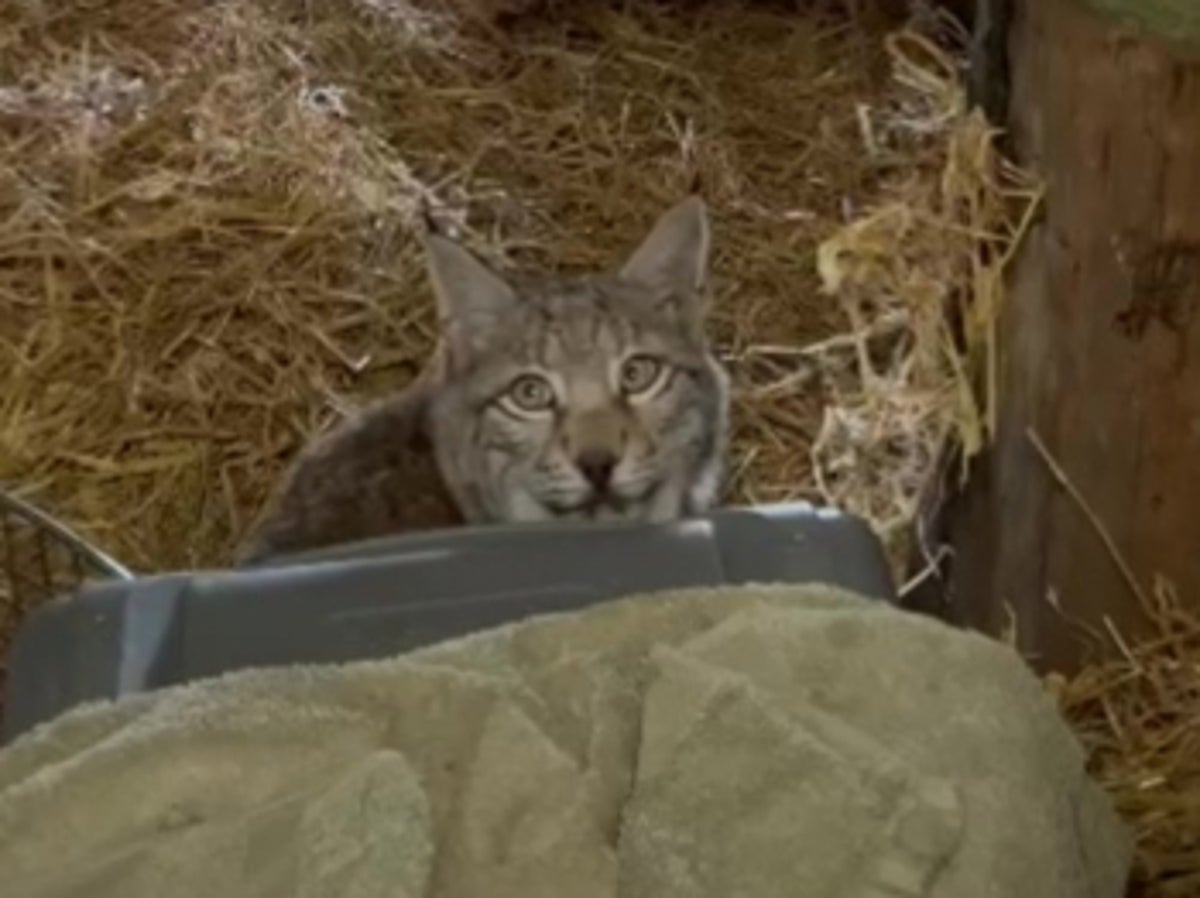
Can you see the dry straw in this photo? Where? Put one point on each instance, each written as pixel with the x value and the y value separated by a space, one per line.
pixel 206 210
pixel 1138 717
pixel 921 279
pixel 208 247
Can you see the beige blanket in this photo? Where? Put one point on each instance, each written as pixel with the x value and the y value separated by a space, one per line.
pixel 751 742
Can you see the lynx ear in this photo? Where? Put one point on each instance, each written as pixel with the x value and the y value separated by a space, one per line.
pixel 470 295
pixel 674 256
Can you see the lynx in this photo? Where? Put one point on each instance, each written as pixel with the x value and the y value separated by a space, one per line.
pixel 590 398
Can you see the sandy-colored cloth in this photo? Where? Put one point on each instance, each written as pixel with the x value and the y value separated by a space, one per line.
pixel 741 742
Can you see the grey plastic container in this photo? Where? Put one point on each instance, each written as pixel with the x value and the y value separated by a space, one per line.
pixel 383 597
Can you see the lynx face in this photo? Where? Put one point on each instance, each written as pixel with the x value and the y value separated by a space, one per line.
pixel 593 398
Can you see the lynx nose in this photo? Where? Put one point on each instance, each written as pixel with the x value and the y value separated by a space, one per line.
pixel 597 466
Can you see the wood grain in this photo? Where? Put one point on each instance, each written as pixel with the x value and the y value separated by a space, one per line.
pixel 1101 343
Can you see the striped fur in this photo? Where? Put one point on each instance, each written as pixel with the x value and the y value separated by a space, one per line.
pixel 629 422
pixel 586 341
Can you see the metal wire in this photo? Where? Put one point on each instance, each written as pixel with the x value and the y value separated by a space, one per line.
pixel 41 557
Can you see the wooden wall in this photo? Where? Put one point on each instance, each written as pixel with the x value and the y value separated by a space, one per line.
pixel 1101 338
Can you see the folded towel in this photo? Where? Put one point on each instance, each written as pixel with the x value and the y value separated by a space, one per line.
pixel 765 741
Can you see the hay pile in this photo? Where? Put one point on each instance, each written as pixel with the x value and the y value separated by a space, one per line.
pixel 208 233
pixel 920 277
pixel 1139 718
pixel 207 214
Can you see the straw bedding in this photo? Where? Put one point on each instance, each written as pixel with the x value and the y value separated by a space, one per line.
pixel 208 214
pixel 207 248
pixel 1137 716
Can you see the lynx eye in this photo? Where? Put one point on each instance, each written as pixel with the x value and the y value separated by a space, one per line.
pixel 639 373
pixel 531 393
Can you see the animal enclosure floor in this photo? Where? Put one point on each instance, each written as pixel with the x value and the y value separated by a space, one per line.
pixel 207 214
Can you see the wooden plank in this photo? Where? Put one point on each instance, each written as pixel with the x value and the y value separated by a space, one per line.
pixel 1100 343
